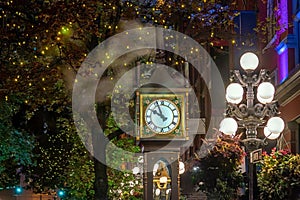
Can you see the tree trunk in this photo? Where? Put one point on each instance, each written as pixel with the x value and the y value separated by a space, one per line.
pixel 100 142
pixel 101 181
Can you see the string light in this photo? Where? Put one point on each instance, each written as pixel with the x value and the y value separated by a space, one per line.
pixel 66 30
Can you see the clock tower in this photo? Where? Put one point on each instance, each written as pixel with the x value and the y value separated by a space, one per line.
pixel 161 118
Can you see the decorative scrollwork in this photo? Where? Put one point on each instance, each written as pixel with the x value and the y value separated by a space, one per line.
pixel 259 109
pixel 273 109
pixel 237 112
pixel 243 109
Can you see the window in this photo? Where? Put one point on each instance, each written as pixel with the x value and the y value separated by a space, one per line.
pixel 271 23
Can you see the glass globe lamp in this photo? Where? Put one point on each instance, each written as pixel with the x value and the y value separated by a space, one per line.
pixel 237 101
pixel 270 135
pixel 234 93
pixel 228 126
pixel 275 125
pixel 249 61
pixel 264 101
pixel 266 90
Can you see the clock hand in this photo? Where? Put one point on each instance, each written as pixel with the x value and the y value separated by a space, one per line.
pixel 161 115
pixel 164 118
pixel 158 108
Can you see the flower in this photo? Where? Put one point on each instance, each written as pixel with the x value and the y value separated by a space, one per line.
pixel 279 174
pixel 219 174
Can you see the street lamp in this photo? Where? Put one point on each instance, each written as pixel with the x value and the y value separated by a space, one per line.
pixel 249 111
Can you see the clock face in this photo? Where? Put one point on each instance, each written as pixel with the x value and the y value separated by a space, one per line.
pixel 162 116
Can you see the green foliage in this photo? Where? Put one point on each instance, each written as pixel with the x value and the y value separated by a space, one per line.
pixel 220 176
pixel 279 175
pixel 41 49
pixel 79 173
pixel 121 182
pixel 124 185
pixel 202 20
pixel 63 161
pixel 15 147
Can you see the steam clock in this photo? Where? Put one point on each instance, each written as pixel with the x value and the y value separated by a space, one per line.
pixel 162 114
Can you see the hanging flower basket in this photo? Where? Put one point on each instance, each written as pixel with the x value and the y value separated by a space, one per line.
pixel 279 176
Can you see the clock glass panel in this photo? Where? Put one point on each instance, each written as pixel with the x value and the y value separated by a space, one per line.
pixel 162 116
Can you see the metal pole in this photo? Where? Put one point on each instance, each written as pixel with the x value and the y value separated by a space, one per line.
pixel 251 180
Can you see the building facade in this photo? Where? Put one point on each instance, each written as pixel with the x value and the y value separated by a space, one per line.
pixel 280 52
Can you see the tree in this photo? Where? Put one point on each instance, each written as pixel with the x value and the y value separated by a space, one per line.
pixel 41 48
pixel 16 147
pixel 219 174
pixel 204 21
pixel 41 51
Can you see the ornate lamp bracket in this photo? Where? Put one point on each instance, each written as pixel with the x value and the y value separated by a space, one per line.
pixel 251 114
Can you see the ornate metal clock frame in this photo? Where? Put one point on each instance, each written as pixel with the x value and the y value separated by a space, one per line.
pixel 153 105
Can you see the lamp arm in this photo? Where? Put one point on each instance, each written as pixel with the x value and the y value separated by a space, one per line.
pixel 266 137
pixel 273 108
pixel 238 112
pixel 263 76
pixel 236 75
pixel 270 110
pixel 261 111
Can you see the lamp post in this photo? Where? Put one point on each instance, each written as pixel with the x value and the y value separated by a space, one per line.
pixel 250 106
